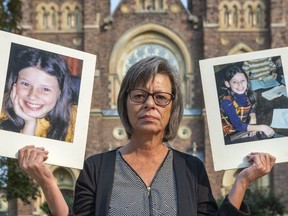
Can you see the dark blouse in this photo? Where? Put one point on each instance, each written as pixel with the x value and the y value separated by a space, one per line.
pixel 131 196
pixel 194 195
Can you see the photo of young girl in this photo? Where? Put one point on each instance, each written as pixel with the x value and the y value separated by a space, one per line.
pixel 40 96
pixel 243 117
pixel 237 106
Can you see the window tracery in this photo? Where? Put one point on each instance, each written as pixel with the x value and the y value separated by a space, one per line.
pixel 71 16
pixel 48 18
pixel 234 16
pixel 150 5
pixel 254 15
pixel 229 15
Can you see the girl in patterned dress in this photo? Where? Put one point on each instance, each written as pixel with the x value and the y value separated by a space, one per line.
pixel 238 106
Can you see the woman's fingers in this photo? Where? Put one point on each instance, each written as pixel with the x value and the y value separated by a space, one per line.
pixel 31 160
pixel 29 156
pixel 261 162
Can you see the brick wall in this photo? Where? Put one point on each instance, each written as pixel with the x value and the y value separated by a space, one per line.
pixel 201 42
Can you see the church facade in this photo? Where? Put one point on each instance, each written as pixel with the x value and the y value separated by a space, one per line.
pixel 182 33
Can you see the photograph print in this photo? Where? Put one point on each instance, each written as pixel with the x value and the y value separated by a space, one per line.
pixel 247 106
pixel 41 93
pixel 250 92
pixel 43 99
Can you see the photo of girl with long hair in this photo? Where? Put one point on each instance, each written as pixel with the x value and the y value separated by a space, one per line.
pixel 238 108
pixel 40 96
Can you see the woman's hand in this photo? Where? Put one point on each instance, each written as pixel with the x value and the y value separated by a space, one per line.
pixel 31 160
pixel 261 164
pixel 30 122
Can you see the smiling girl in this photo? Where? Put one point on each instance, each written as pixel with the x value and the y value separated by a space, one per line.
pixel 238 106
pixel 38 96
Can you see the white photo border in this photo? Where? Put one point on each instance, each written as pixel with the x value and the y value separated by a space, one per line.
pixel 61 153
pixel 234 156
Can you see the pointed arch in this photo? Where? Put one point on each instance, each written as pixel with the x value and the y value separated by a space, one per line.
pixel 240 48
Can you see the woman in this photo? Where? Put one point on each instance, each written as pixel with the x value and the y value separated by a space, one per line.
pixel 145 177
pixel 38 95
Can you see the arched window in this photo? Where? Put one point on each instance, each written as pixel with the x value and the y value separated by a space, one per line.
pixel 53 18
pixel 226 16
pixel 150 5
pixel 258 16
pixel 229 15
pixel 142 3
pixel 77 17
pixel 254 14
pixel 159 4
pixel 69 18
pixel 250 16
pixel 234 16
pixel 45 18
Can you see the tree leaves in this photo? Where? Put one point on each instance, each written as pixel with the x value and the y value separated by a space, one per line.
pixel 11 15
pixel 15 183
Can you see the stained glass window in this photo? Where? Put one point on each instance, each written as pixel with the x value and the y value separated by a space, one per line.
pixel 146 50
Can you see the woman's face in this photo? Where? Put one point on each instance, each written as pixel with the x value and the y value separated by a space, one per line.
pixel 149 118
pixel 238 83
pixel 37 91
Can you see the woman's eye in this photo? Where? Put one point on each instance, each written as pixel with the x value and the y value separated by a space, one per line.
pixel 139 96
pixel 161 97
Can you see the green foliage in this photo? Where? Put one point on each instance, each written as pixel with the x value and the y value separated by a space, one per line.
pixel 265 203
pixel 15 183
pixel 45 208
pixel 261 203
pixel 10 15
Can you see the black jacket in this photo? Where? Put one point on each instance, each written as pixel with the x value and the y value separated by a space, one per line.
pixel 194 195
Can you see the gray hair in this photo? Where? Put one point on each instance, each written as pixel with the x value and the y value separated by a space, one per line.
pixel 139 74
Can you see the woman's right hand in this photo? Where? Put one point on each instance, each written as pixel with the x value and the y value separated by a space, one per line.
pixel 31 160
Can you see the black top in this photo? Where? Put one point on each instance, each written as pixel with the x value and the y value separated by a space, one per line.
pixel 194 195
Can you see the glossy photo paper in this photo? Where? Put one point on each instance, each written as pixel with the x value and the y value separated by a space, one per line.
pixel 17 54
pixel 267 105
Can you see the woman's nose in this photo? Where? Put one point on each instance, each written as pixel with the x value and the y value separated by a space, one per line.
pixel 149 102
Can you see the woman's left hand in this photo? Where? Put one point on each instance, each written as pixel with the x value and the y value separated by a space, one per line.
pixel 261 164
